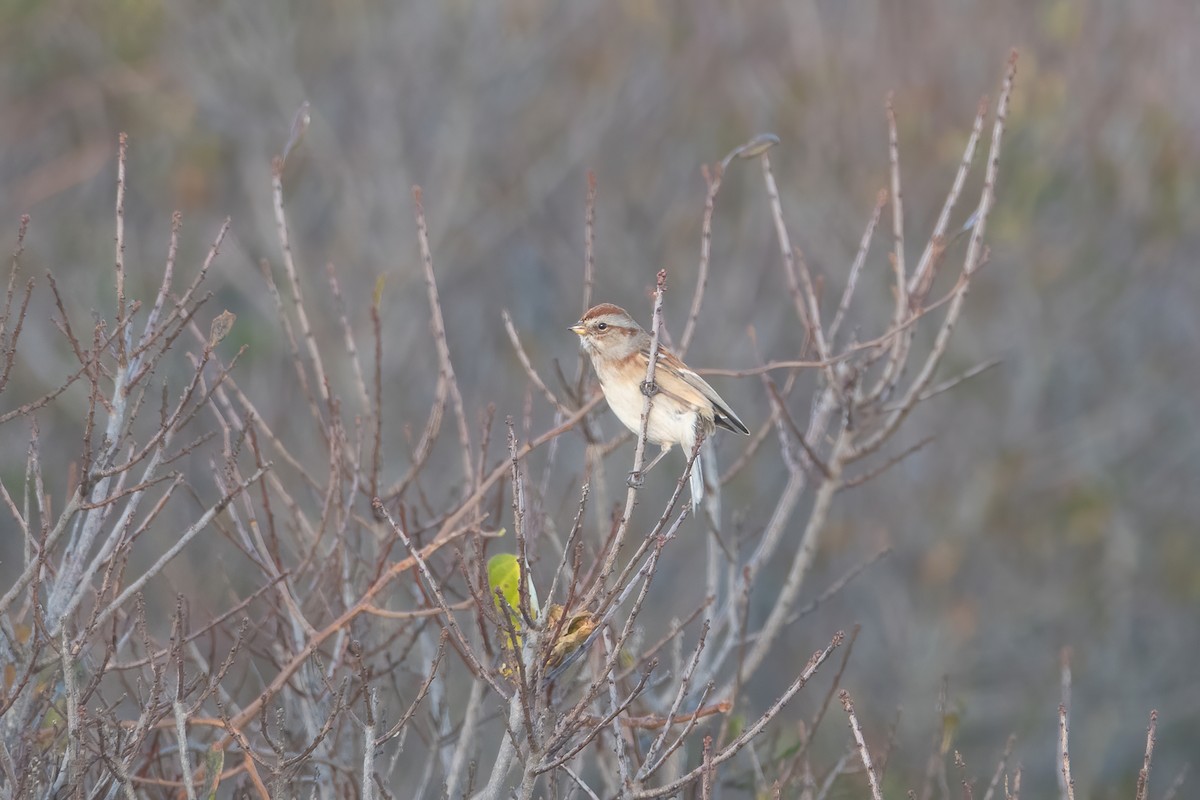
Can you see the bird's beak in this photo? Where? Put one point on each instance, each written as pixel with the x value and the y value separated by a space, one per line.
pixel 578 329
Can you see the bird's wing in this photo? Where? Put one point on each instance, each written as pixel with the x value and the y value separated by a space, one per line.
pixel 680 381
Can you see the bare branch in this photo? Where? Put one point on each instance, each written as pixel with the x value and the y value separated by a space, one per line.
pixel 863 752
pixel 289 266
pixel 856 267
pixel 689 329
pixel 1000 768
pixel 1144 773
pixel 754 730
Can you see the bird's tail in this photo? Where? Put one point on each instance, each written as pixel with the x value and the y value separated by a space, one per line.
pixel 697 484
pixel 712 487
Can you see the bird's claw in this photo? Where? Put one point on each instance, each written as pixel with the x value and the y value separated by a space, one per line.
pixel 635 480
pixel 649 388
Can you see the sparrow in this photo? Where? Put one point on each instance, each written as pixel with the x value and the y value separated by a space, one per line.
pixel 685 408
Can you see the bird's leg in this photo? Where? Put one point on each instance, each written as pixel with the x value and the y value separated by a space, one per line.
pixel 666 448
pixel 636 478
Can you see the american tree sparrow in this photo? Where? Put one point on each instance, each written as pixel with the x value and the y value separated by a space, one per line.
pixel 685 407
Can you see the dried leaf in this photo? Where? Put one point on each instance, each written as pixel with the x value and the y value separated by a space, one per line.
pixel 574 633
pixel 220 327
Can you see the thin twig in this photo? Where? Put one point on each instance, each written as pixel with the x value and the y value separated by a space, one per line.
pixel 289 266
pixel 523 357
pixel 195 528
pixel 785 246
pixel 863 752
pixel 754 730
pixel 860 258
pixel 1065 784
pixel 122 144
pixel 922 276
pixel 1144 773
pixel 438 327
pixel 685 679
pixel 1000 768
pixel 971 263
pixel 713 180
pixel 1068 782
pixel 786 597
pixel 464 647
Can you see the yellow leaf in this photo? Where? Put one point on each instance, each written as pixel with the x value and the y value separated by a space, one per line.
pixel 504 578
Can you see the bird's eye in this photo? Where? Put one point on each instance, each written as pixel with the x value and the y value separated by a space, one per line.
pixel 603 326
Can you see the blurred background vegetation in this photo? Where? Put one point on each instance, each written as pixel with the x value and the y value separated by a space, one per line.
pixel 1058 505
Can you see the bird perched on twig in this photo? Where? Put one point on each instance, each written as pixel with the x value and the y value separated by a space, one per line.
pixel 684 409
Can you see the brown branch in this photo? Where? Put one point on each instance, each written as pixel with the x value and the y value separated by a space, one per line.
pixel 714 185
pixel 527 365
pixel 652 722
pixel 119 258
pixel 856 266
pixel 974 258
pixel 419 613
pixel 1065 754
pixel 1144 773
pixel 785 247
pixel 1000 768
pixel 874 472
pixel 448 532
pixel 797 434
pixel 922 276
pixel 754 730
pixel 289 266
pixel 438 326
pixel 863 752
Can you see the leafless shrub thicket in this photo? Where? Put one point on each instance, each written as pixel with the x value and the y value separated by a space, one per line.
pixel 370 657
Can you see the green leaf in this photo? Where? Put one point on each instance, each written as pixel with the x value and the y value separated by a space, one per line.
pixel 504 574
pixel 504 577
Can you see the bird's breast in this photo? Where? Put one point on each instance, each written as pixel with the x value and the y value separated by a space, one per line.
pixel 671 422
